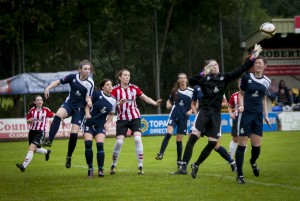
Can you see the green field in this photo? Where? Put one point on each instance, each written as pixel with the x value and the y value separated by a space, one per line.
pixel 279 180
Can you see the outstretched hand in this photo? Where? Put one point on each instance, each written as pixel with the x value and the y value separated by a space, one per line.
pixel 207 69
pixel 257 50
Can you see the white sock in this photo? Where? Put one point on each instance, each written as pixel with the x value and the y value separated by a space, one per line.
pixel 117 151
pixel 232 148
pixel 28 158
pixel 139 150
pixel 41 150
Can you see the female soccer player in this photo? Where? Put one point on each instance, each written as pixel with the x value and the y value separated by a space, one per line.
pixel 37 118
pixel 98 119
pixel 208 120
pixel 81 89
pixel 252 106
pixel 180 101
pixel 129 117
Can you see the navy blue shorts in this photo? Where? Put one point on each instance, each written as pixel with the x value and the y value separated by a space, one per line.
pixel 208 122
pixel 77 114
pixel 180 123
pixel 234 129
pixel 123 125
pixel 251 123
pixel 94 129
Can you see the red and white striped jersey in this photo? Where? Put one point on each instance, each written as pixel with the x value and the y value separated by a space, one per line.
pixel 128 110
pixel 234 101
pixel 39 116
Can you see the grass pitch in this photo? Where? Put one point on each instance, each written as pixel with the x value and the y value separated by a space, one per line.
pixel 279 163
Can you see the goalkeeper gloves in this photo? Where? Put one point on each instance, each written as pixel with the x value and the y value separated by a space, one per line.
pixel 256 52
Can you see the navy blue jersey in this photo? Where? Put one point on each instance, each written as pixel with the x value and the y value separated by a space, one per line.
pixel 182 103
pixel 197 94
pixel 255 89
pixel 102 106
pixel 79 89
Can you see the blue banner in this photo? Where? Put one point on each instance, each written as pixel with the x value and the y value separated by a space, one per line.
pixel 157 124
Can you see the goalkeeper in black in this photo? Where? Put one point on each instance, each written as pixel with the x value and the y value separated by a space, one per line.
pixel 208 120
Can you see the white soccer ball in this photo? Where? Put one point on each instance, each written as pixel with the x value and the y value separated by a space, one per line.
pixel 268 29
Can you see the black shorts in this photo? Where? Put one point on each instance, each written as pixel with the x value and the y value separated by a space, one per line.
pixel 234 130
pixel 123 125
pixel 35 137
pixel 208 122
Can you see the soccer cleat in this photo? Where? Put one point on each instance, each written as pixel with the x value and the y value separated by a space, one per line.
pixel 113 169
pixel 90 173
pixel 181 170
pixel 100 173
pixel 194 170
pixel 178 164
pixel 46 143
pixel 255 168
pixel 68 162
pixel 159 156
pixel 240 180
pixel 21 167
pixel 141 172
pixel 233 166
pixel 47 155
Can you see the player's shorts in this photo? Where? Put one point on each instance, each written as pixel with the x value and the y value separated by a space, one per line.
pixel 35 137
pixel 208 122
pixel 181 124
pixel 76 113
pixel 234 130
pixel 123 125
pixel 251 123
pixel 94 129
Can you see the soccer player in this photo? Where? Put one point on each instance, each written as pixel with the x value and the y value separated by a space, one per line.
pixel 98 119
pixel 179 102
pixel 37 118
pixel 208 120
pixel 233 112
pixel 81 89
pixel 252 106
pixel 129 117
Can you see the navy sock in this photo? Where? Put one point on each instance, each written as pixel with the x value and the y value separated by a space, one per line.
pixel 179 150
pixel 165 143
pixel 239 159
pixel 206 151
pixel 188 151
pixel 255 152
pixel 222 151
pixel 89 153
pixel 54 127
pixel 72 143
pixel 100 155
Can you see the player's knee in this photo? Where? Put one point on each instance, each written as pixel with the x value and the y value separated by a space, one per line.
pixel 212 144
pixel 56 120
pixel 100 146
pixel 88 144
pixel 137 138
pixel 119 142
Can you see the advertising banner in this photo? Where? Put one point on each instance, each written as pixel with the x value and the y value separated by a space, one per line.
pixel 31 83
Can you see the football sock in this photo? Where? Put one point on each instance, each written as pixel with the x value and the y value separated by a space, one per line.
pixel 206 151
pixel 72 143
pixel 89 153
pixel 239 159
pixel 28 158
pixel 117 150
pixel 41 150
pixel 179 150
pixel 222 151
pixel 139 150
pixel 232 148
pixel 54 127
pixel 100 155
pixel 188 151
pixel 165 143
pixel 254 154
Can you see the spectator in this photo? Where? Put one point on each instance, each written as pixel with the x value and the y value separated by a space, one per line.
pixel 292 98
pixel 282 98
pixel 273 90
pixel 283 86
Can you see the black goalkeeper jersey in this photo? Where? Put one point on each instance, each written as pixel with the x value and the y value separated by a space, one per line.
pixel 214 86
